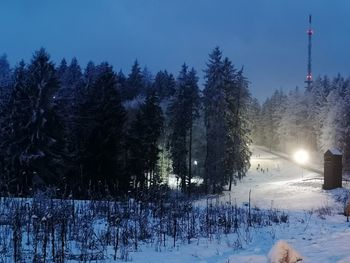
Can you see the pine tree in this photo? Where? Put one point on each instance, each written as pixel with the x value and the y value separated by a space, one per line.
pixel 346 122
pixel 255 119
pixel 148 80
pixel 35 144
pixel 292 128
pixel 183 111
pixel 226 103
pixel 67 98
pixel 214 108
pixel 164 85
pixel 101 119
pixel 144 135
pixel 238 139
pixel 90 74
pixel 11 122
pixel 61 70
pixel 6 86
pixel 334 124
pixel 135 83
pixel 70 91
pixel 316 101
pixel 6 78
pixel 271 114
pixel 192 107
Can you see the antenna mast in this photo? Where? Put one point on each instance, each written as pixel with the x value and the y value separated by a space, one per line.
pixel 308 80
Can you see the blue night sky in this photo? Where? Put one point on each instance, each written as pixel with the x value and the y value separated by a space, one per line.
pixel 267 37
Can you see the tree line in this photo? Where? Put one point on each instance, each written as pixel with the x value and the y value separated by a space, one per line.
pixel 99 133
pixel 316 119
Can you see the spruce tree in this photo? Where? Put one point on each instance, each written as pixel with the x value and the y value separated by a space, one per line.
pixel 164 85
pixel 192 107
pixel 135 83
pixel 178 124
pixel 183 111
pixel 216 129
pixel 144 135
pixel 101 119
pixel 241 129
pixel 255 121
pixel 226 102
pixel 35 145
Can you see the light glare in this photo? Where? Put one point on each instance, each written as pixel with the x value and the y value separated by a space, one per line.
pixel 301 156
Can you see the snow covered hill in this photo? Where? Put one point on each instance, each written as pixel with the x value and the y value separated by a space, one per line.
pixel 317 229
pixel 288 210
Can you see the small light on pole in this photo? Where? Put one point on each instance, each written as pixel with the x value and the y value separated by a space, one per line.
pixel 195 163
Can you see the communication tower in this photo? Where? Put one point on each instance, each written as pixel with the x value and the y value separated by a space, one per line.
pixel 309 32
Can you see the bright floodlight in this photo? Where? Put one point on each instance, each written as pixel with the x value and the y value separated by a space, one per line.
pixel 301 156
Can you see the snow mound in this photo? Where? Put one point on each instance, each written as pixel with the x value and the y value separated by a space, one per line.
pixel 282 252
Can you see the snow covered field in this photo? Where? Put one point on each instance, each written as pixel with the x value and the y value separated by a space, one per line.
pixel 287 203
pixel 316 228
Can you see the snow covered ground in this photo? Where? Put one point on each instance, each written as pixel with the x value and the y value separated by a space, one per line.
pixel 316 228
pixel 281 184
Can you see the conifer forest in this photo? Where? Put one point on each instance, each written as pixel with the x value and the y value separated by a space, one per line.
pixel 98 133
pixel 174 131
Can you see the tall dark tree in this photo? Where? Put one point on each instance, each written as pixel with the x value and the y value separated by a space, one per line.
pixel 183 111
pixel 226 100
pixel 271 115
pixel 238 139
pixel 67 98
pixel 61 70
pixel 14 116
pixel 255 121
pixel 101 119
pixel 135 83
pixel 35 145
pixel 164 85
pixel 214 108
pixel 145 132
pixel 90 73
pixel 6 80
pixel 6 86
pixel 193 104
pixel 178 134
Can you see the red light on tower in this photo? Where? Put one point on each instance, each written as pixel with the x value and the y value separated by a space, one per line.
pixel 309 32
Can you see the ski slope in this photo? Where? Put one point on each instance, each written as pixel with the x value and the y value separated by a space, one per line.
pixel 317 230
pixel 281 184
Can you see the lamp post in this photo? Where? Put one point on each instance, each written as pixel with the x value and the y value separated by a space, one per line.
pixel 195 163
pixel 301 157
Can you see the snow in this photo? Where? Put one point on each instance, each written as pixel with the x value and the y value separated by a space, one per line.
pixel 282 185
pixel 335 151
pixel 317 230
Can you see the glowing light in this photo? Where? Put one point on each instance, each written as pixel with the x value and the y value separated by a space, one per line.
pixel 301 156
